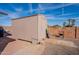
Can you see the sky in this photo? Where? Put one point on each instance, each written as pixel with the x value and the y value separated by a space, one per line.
pixel 55 13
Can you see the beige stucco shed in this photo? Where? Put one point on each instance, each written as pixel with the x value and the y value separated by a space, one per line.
pixel 30 28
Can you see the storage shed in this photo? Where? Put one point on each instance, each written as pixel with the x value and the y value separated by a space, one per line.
pixel 30 28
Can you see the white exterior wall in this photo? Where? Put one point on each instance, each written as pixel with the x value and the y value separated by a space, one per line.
pixel 42 26
pixel 25 28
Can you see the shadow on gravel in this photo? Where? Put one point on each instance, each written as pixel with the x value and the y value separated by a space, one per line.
pixel 4 42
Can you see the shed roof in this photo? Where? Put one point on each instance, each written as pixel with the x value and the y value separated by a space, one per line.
pixel 26 16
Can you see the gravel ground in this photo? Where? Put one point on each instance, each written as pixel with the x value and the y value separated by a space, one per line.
pixel 47 47
pixel 60 50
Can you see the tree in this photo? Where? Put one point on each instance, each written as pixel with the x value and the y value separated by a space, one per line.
pixel 69 23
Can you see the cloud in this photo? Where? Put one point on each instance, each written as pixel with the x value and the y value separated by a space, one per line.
pixel 66 14
pixel 19 10
pixel 30 8
pixel 16 9
pixel 13 15
pixel 77 18
pixel 10 14
pixel 18 14
pixel 52 17
pixel 3 12
pixel 53 7
pixel 40 7
pixel 59 6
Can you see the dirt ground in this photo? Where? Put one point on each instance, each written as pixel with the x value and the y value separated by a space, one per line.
pixel 54 46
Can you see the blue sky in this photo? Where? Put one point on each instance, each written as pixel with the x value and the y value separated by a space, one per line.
pixel 56 13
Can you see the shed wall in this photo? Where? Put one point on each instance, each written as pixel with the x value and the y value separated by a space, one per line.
pixel 29 28
pixel 42 26
pixel 25 28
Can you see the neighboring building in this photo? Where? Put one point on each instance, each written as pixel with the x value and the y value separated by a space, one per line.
pixel 30 28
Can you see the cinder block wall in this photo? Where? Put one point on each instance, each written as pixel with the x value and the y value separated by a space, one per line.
pixel 77 32
pixel 69 32
pixel 54 31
